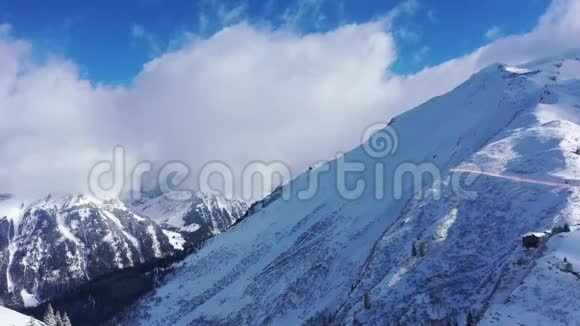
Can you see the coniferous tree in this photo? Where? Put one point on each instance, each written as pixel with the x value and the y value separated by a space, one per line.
pixel 355 321
pixel 58 317
pixel 49 317
pixel 414 250
pixel 568 266
pixel 66 320
pixel 422 249
pixel 469 321
pixel 367 301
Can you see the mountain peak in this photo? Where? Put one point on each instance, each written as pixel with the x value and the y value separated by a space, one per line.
pixel 429 256
pixel 211 212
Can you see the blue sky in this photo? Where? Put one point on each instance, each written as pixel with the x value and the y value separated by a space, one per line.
pixel 111 40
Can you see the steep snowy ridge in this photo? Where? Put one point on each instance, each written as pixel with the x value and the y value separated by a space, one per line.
pixel 56 243
pixel 314 259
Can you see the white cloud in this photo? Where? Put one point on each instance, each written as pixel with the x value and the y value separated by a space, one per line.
pixel 244 94
pixel 394 21
pixel 138 32
pixel 203 22
pixel 304 11
pixel 407 8
pixel 252 94
pixel 493 33
pixel 5 29
pixel 231 15
pixel 420 54
pixel 53 126
pixel 216 15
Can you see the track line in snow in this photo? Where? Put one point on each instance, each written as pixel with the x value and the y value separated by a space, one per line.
pixel 514 178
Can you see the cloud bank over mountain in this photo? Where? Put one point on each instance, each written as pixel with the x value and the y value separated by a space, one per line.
pixel 246 93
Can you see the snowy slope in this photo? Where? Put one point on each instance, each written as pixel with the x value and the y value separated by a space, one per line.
pixel 13 318
pixel 307 259
pixel 205 211
pixel 54 244
pixel 549 294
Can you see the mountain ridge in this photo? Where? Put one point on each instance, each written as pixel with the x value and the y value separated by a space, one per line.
pixel 50 246
pixel 314 260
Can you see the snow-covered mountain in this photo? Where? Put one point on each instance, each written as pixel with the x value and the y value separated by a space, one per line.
pixel 415 255
pixel 13 318
pixel 208 212
pixel 59 242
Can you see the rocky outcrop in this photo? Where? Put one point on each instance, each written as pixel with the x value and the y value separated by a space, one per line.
pixel 207 213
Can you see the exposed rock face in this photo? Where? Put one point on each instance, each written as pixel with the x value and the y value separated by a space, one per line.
pixel 532 240
pixel 54 244
pixel 57 243
pixel 206 212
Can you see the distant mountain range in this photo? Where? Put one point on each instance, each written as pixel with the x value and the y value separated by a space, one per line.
pixel 208 212
pixel 55 244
